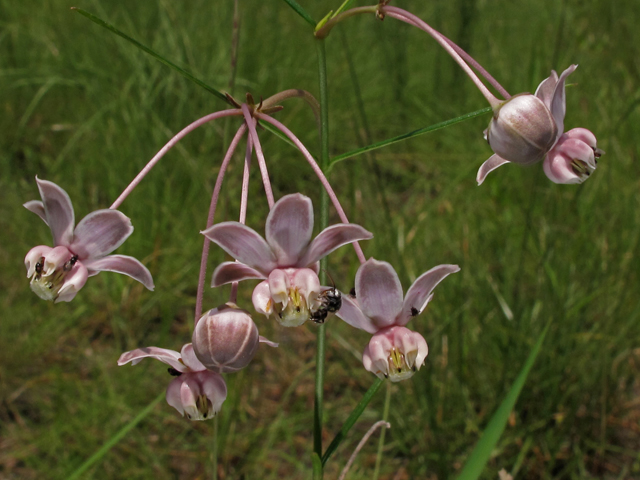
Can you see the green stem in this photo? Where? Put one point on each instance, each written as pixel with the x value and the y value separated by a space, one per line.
pixel 214 450
pixel 385 417
pixel 351 420
pixel 324 223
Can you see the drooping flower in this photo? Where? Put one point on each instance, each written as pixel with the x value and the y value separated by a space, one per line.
pixel 379 307
pixel 287 259
pixel 226 339
pixel 59 273
pixel 196 392
pixel 529 128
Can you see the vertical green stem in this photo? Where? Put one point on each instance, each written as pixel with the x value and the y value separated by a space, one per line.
pixel 214 450
pixel 385 417
pixel 324 223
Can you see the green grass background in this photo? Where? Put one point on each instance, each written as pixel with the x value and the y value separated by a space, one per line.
pixel 83 108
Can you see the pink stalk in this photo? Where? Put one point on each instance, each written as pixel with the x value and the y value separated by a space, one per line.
pixel 212 212
pixel 318 172
pixel 243 205
pixel 403 15
pixel 470 60
pixel 182 133
pixel 249 120
pixel 361 444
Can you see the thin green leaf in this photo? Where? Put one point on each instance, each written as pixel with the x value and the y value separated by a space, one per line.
pixel 301 11
pixel 155 55
pixel 482 452
pixel 115 439
pixel 353 418
pixel 405 136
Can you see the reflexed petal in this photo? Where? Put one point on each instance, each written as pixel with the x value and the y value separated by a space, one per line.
pixel 244 244
pixel 558 102
pixel 228 272
pixel 350 312
pixel 170 357
pixel 189 358
pixel 289 227
pixel 489 166
pixel 37 207
pixel 379 292
pixel 123 264
pixel 419 293
pixel 58 211
pixel 545 90
pixel 261 298
pixel 100 233
pixel 173 394
pixel 332 238
pixel 73 282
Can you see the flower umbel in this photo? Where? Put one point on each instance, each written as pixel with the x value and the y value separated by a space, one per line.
pixel 59 273
pixel 529 128
pixel 379 307
pixel 287 258
pixel 196 392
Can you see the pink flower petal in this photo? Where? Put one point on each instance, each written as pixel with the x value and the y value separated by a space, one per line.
pixel 379 292
pixel 289 227
pixel 489 166
pixel 351 313
pixel 545 90
pixel 332 238
pixel 58 212
pixel 558 102
pixel 170 357
pixel 100 233
pixel 243 244
pixel 37 207
pixel 33 257
pixel 261 298
pixel 190 359
pixel 228 272
pixel 73 282
pixel 123 264
pixel 420 292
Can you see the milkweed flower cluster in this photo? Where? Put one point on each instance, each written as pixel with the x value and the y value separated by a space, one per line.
pixel 525 129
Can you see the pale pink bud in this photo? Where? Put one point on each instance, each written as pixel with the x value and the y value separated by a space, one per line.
pixel 573 158
pixel 522 130
pixel 198 395
pixel 225 339
pixel 395 353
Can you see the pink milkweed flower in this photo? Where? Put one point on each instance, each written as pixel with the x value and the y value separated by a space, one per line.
pixel 226 339
pixel 196 392
pixel 287 259
pixel 379 307
pixel 58 273
pixel 529 128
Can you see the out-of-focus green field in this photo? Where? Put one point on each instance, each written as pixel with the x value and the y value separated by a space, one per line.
pixel 83 108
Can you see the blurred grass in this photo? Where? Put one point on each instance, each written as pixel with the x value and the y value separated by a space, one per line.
pixel 85 109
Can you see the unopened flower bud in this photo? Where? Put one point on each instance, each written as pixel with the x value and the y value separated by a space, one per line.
pixel 522 130
pixel 395 353
pixel 574 158
pixel 198 395
pixel 225 339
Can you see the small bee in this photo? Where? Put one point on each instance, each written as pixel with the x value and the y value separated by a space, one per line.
pixel 69 265
pixel 414 311
pixel 173 372
pixel 330 302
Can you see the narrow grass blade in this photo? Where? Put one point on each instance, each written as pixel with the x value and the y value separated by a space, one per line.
pixel 482 452
pixel 115 439
pixel 353 418
pixel 301 11
pixel 406 136
pixel 155 55
pixel 317 466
